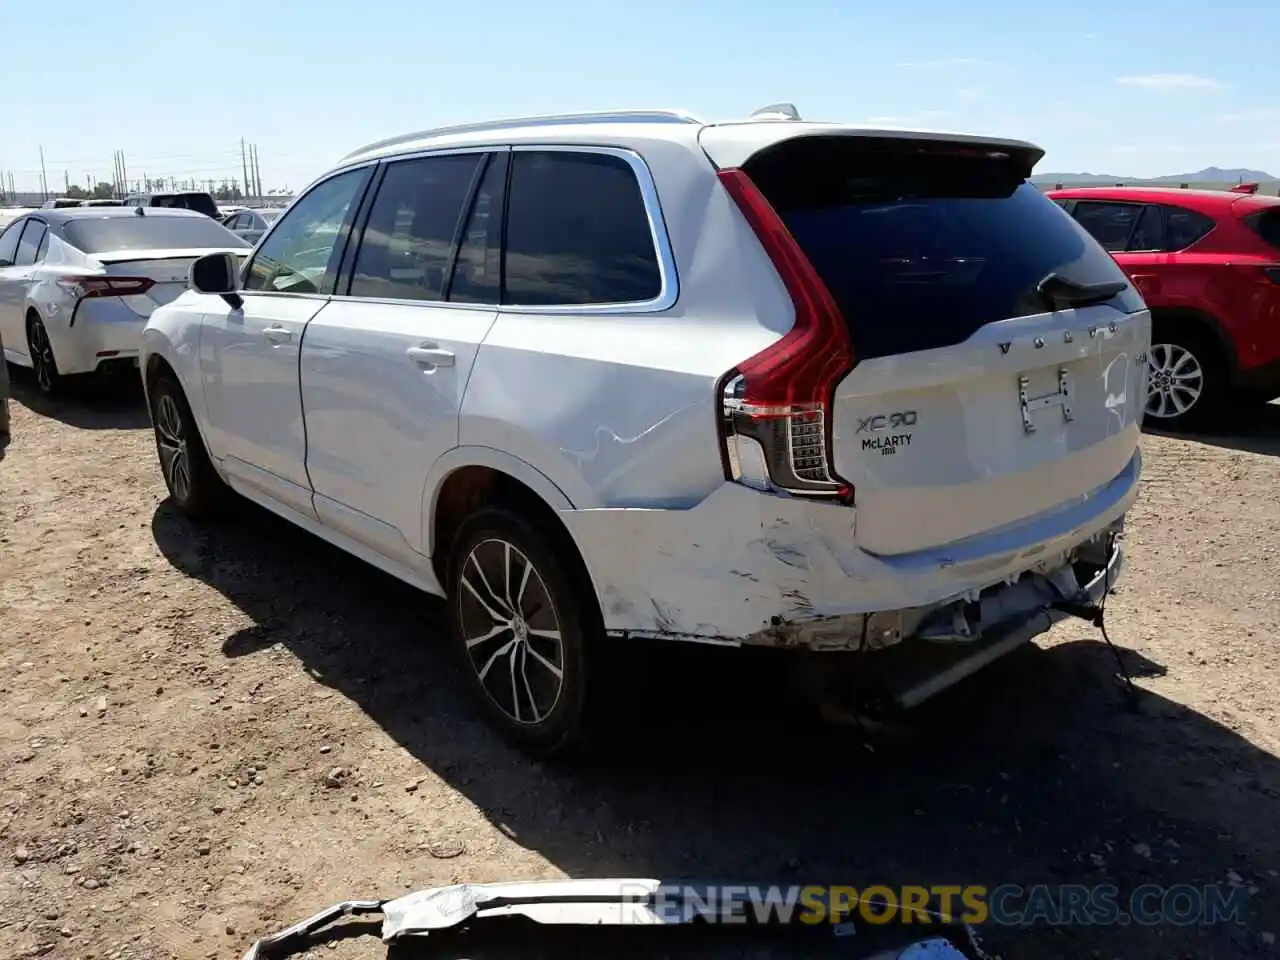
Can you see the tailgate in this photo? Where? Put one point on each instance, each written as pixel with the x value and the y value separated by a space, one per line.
pixel 1000 351
pixel 1028 415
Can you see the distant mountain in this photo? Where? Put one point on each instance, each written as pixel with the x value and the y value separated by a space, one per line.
pixel 1207 175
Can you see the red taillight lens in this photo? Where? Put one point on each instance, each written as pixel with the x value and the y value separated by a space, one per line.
pixel 776 405
pixel 87 287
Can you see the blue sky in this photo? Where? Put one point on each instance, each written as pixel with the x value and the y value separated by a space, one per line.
pixel 1140 88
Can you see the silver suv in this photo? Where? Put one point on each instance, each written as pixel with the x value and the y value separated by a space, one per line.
pixel 594 377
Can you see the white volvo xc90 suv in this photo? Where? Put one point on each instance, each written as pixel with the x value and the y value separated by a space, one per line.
pixel 852 391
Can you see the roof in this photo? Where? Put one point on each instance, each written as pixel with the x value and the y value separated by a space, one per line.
pixel 1205 201
pixel 67 214
pixel 734 138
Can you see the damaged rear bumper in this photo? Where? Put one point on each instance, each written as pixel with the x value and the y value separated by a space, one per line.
pixel 742 568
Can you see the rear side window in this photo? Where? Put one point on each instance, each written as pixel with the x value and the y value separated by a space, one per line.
pixel 577 232
pixel 921 250
pixel 1148 232
pixel 32 243
pixel 160 232
pixel 1266 224
pixel 407 246
pixel 1182 228
pixel 1109 223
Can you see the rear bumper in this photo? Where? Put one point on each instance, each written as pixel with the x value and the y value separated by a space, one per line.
pixel 98 331
pixel 741 567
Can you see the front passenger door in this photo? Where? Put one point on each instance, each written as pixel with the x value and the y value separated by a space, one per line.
pixel 249 355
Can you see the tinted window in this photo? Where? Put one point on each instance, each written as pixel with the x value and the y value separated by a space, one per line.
pixel 298 257
pixel 1109 223
pixel 1182 227
pixel 200 202
pixel 31 243
pixel 577 232
pixel 9 241
pixel 1148 234
pixel 921 250
pixel 407 246
pixel 477 277
pixel 131 232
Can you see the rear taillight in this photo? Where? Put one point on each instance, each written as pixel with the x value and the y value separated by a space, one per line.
pixel 86 287
pixel 776 405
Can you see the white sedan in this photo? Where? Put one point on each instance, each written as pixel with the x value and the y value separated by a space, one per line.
pixel 78 284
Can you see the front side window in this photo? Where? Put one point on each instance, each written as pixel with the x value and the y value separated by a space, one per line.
pixel 301 254
pixel 577 232
pixel 9 242
pixel 31 244
pixel 407 245
pixel 1109 223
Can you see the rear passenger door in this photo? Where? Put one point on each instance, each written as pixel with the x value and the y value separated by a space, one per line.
pixel 1133 233
pixel 385 365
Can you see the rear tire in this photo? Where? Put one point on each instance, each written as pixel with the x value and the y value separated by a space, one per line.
pixel 527 631
pixel 43 363
pixel 194 486
pixel 1188 379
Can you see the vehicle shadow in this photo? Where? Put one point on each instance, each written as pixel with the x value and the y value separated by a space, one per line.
pixel 114 404
pixel 1251 428
pixel 1038 770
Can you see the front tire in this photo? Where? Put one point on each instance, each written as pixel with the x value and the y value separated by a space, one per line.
pixel 523 624
pixel 1187 379
pixel 194 486
pixel 43 363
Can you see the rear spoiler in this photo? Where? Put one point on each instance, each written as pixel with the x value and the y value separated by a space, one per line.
pixel 1249 188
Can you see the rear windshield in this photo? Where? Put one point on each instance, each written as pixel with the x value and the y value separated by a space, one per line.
pixel 200 202
pixel 148 233
pixel 921 249
pixel 1266 225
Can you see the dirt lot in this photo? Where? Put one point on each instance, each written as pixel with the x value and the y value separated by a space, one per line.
pixel 206 734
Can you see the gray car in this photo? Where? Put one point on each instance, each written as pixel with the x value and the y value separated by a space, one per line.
pixel 250 225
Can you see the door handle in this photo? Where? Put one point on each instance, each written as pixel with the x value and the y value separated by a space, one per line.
pixel 278 334
pixel 430 355
pixel 1146 282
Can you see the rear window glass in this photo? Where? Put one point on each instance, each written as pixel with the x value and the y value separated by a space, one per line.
pixel 1266 225
pixel 922 250
pixel 199 202
pixel 148 233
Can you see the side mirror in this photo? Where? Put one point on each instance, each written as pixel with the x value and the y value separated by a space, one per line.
pixel 5 263
pixel 217 273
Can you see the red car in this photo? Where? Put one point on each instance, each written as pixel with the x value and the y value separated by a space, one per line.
pixel 1207 262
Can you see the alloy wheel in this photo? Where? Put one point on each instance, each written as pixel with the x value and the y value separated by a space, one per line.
pixel 1175 381
pixel 172 444
pixel 511 631
pixel 42 362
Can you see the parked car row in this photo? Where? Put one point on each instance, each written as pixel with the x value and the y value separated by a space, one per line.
pixel 636 376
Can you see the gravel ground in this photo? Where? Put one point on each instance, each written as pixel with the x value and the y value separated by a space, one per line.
pixel 208 733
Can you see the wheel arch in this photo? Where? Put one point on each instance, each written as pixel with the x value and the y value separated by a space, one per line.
pixel 1199 320
pixel 467 478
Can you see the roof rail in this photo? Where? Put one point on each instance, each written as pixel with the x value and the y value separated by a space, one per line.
pixel 610 116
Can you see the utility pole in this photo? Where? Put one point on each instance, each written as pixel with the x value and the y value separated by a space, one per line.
pixel 44 176
pixel 257 173
pixel 244 167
